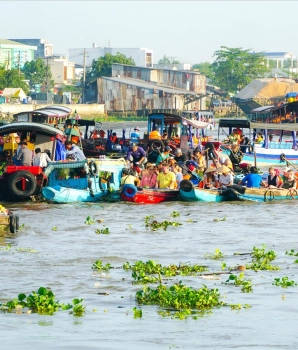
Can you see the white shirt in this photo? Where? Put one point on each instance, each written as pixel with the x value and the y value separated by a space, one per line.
pixel 41 159
pixel 225 180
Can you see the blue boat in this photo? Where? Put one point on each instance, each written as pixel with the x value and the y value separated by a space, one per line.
pixel 83 181
pixel 190 193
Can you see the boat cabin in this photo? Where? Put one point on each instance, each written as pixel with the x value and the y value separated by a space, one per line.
pixel 47 115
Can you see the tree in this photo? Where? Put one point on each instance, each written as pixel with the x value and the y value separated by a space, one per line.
pixel 168 60
pixel 234 68
pixel 38 72
pixel 12 79
pixel 204 68
pixel 102 67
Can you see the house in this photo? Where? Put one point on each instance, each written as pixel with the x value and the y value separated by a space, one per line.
pixel 63 71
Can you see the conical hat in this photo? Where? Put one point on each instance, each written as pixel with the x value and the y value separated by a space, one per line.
pixel 210 169
pixel 224 169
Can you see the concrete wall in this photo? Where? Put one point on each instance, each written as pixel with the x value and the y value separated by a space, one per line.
pixel 83 110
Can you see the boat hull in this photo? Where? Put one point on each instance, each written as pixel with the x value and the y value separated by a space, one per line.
pixel 203 195
pixel 58 194
pixel 151 196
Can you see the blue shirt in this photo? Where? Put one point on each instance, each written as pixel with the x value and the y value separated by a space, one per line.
pixel 136 155
pixel 76 152
pixel 252 180
pixel 134 137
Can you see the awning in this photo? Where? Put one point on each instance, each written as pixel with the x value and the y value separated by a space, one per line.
pixel 280 126
pixel 262 109
pixel 194 123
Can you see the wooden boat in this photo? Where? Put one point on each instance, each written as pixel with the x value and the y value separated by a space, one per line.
pixel 83 181
pixel 189 192
pixel 131 193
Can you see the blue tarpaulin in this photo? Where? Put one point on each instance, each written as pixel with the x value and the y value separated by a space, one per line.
pixel 294 140
pixel 60 153
pixel 281 135
pixel 266 138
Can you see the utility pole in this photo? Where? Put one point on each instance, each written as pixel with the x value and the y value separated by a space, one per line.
pixel 84 77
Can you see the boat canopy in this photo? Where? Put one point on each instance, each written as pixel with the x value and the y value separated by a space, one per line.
pixel 233 123
pixel 35 127
pixel 275 126
pixel 263 109
pixel 194 123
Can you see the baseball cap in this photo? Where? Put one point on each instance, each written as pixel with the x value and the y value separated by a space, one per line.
pixel 136 128
pixel 287 169
pixel 134 145
pixel 167 148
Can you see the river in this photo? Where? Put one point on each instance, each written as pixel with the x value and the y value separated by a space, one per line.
pixel 66 247
pixel 63 262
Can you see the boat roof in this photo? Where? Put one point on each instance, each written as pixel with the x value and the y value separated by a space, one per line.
pixel 50 111
pixel 174 118
pixel 25 126
pixel 263 109
pixel 275 126
pixel 234 122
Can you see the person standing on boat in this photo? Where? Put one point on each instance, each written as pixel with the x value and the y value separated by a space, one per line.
pixel 41 158
pixel 166 178
pixel 136 155
pixel 74 151
pixel 154 135
pixel 24 156
pixel 252 180
pixel 135 136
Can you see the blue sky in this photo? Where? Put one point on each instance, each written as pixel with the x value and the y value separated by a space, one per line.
pixel 191 31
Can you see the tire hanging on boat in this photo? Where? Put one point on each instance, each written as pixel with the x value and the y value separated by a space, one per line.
pixel 12 224
pixel 186 185
pixel 93 168
pixel 269 196
pixel 282 157
pixel 15 179
pixel 129 190
pixel 157 145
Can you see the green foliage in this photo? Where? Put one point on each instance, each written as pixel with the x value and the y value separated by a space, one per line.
pixel 155 225
pixel 292 253
pixel 175 214
pixel 180 296
pixel 152 272
pixel 234 68
pixel 137 313
pixel 42 302
pixel 54 228
pixel 89 221
pixel 12 78
pixel 168 60
pixel 216 256
pixel 240 281
pixel 38 72
pixel 261 259
pixel 239 306
pixel 204 68
pixel 104 231
pixel 284 282
pixel 102 67
pixel 223 219
pixel 99 266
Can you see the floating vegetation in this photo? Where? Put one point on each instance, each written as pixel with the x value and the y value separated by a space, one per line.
pixel 42 302
pixel 216 256
pixel 261 259
pixel 246 286
pixel 284 282
pixel 152 272
pixel 155 225
pixel 100 267
pixel 217 219
pixel 104 231
pixel 292 253
pixel 54 228
pixel 137 313
pixel 9 248
pixel 175 214
pixel 89 221
pixel 239 306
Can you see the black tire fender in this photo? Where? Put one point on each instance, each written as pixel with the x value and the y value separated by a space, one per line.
pixel 186 185
pixel 12 224
pixel 30 185
pixel 156 145
pixel 282 157
pixel 93 168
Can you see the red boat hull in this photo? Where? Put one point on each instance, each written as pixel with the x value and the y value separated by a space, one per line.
pixel 154 196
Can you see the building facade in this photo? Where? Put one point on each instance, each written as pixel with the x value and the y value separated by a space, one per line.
pixel 63 71
pixel 14 54
pixel 43 47
pixel 143 57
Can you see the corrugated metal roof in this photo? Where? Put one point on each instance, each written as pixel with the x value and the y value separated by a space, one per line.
pixel 262 109
pixel 276 54
pixel 158 69
pixel 145 85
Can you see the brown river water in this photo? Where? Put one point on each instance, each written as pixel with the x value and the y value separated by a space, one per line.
pixel 63 262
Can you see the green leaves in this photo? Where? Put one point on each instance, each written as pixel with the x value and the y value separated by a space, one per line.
pixel 104 231
pixel 261 259
pixel 89 221
pixel 284 282
pixel 99 266
pixel 42 302
pixel 246 286
pixel 155 225
pixel 216 256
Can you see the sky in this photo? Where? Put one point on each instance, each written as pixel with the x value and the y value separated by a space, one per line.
pixel 190 31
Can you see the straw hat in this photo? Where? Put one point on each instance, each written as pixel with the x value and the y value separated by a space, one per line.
pixel 210 169
pixel 224 169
